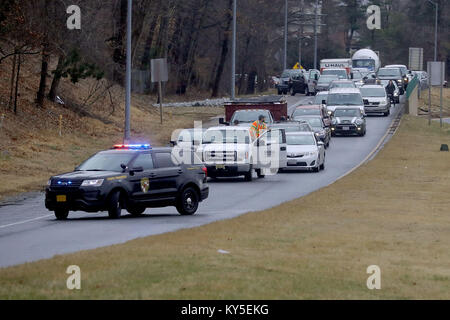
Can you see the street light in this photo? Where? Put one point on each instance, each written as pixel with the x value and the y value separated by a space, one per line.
pixel 435 28
pixel 128 74
pixel 285 34
pixel 233 55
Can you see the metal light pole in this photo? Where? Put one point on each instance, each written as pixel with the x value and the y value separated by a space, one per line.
pixel 435 28
pixel 315 34
pixel 285 34
pixel 128 74
pixel 233 55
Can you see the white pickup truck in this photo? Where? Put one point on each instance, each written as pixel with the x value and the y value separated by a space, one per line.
pixel 231 152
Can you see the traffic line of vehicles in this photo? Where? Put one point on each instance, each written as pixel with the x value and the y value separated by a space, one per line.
pixel 256 137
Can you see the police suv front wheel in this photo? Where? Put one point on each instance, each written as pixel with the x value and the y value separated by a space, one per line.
pixel 187 203
pixel 61 214
pixel 136 211
pixel 115 204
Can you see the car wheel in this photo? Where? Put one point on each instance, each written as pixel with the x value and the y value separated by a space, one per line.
pixel 307 91
pixel 187 203
pixel 285 92
pixel 317 169
pixel 115 204
pixel 249 175
pixel 292 92
pixel 322 167
pixel 260 174
pixel 136 211
pixel 61 214
pixel 280 92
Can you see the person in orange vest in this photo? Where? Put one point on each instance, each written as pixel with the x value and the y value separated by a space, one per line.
pixel 259 126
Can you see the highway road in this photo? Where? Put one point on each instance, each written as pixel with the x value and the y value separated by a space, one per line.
pixel 29 232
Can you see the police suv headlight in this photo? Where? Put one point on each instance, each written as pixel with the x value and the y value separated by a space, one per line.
pixel 92 183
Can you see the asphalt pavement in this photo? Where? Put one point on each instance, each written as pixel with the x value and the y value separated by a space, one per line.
pixel 28 232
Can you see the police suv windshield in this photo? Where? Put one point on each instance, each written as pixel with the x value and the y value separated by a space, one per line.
pixel 106 162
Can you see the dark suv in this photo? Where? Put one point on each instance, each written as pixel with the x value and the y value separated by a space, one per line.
pixel 131 177
pixel 291 78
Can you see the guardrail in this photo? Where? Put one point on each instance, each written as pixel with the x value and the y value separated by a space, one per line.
pixel 411 86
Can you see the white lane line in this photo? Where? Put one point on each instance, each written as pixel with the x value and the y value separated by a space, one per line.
pixel 25 221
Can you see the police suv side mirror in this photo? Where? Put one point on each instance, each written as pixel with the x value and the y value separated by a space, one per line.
pixel 222 121
pixel 136 169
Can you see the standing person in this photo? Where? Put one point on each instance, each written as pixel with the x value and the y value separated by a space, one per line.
pixel 258 127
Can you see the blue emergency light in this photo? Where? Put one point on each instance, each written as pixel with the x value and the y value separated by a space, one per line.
pixel 132 146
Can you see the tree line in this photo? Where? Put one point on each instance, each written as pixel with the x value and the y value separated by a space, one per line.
pixel 195 37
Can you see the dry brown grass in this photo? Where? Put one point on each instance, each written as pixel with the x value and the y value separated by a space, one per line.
pixel 392 212
pixel 435 102
pixel 31 149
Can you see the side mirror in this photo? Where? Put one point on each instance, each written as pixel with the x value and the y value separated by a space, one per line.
pixel 221 121
pixel 366 101
pixel 137 169
pixel 324 101
pixel 316 77
pixel 124 167
pixel 173 143
pixel 351 75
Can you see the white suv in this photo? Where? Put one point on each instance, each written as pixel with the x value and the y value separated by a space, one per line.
pixel 344 97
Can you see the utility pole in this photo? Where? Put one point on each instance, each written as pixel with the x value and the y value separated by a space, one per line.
pixel 128 74
pixel 285 34
pixel 233 54
pixel 315 34
pixel 435 28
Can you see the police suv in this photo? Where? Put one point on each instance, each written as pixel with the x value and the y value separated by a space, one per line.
pixel 131 177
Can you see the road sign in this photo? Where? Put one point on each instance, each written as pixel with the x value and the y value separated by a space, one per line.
pixel 436 72
pixel 416 59
pixel 159 70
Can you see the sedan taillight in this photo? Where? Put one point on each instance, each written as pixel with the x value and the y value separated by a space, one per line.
pixel 205 170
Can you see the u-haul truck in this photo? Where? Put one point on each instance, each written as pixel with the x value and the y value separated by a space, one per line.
pixel 346 64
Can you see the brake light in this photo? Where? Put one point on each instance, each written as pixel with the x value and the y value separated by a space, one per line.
pixel 205 170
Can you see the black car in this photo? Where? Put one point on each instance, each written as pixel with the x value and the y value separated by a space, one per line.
pixel 286 80
pixel 131 177
pixel 321 131
pixel 349 121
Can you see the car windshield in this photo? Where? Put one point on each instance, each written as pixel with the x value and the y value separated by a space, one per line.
pixel 344 99
pixel 306 112
pixel 106 162
pixel 357 75
pixel 338 84
pixel 226 136
pixel 373 92
pixel 318 99
pixel 300 140
pixel 326 79
pixel 389 72
pixel 288 73
pixel 248 116
pixel 351 113
pixel 364 63
pixel 314 122
pixel 339 73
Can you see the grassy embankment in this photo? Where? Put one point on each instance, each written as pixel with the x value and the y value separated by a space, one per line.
pixel 392 212
pixel 435 102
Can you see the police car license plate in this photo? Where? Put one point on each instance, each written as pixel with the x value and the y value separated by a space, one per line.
pixel 61 198
pixel 220 166
pixel 346 128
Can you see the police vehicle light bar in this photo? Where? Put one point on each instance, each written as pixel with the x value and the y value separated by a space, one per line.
pixel 133 146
